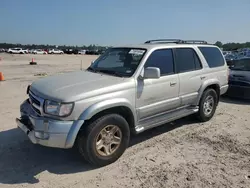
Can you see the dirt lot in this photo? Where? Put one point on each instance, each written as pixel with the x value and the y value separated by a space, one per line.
pixel 184 153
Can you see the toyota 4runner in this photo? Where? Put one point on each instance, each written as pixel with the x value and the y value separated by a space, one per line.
pixel 126 90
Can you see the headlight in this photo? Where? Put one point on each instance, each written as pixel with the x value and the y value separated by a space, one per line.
pixel 58 109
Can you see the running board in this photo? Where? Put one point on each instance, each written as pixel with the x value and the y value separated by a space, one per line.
pixel 163 118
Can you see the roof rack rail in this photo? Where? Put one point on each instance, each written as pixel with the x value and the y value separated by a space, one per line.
pixel 194 42
pixel 164 41
pixel 177 41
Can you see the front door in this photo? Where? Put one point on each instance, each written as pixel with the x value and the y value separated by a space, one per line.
pixel 155 96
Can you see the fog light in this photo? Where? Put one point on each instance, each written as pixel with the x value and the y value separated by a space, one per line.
pixel 42 135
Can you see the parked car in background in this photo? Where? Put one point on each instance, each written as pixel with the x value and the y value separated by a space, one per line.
pixel 17 51
pixel 229 59
pixel 127 89
pixel 93 52
pixel 55 51
pixel 39 51
pixel 239 79
pixel 82 52
pixel 226 53
pixel 30 51
pixel 70 51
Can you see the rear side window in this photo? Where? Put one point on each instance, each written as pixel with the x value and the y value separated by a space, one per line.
pixel 213 56
pixel 187 60
pixel 162 59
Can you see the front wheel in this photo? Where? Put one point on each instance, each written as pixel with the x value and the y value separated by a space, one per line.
pixel 104 140
pixel 208 104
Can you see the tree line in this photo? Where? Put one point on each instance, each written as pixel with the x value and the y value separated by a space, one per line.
pixel 91 47
pixel 232 45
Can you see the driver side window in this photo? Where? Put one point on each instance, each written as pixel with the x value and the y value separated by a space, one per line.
pixel 162 59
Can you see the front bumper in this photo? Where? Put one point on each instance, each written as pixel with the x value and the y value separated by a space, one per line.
pixel 46 131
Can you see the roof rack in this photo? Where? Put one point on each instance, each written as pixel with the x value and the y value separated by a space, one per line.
pixel 164 41
pixel 194 42
pixel 177 41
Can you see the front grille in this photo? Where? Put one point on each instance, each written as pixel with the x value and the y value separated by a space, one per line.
pixel 36 110
pixel 36 103
pixel 33 100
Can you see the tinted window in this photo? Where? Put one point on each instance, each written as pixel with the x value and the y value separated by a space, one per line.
pixel 213 56
pixel 163 59
pixel 186 60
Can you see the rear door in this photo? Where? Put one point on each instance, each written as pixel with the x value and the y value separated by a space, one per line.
pixel 189 69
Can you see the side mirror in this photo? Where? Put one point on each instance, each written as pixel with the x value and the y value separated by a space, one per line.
pixel 152 73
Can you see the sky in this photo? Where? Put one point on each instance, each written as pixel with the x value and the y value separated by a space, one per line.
pixel 117 22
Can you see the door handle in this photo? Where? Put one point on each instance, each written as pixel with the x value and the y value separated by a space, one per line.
pixel 203 77
pixel 172 84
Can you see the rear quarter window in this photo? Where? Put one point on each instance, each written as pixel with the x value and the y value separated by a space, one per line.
pixel 213 56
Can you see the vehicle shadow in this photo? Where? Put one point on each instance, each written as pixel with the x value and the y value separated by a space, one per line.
pixel 234 100
pixel 21 161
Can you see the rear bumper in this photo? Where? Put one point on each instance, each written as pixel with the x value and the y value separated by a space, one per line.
pixel 238 91
pixel 45 131
pixel 224 89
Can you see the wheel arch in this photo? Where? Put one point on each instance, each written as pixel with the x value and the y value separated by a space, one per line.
pixel 211 84
pixel 117 106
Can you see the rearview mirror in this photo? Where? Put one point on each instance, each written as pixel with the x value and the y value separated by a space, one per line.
pixel 151 73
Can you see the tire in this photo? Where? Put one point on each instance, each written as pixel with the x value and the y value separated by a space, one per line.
pixel 87 139
pixel 204 114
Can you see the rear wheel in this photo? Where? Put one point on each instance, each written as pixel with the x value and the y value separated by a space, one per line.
pixel 208 104
pixel 104 140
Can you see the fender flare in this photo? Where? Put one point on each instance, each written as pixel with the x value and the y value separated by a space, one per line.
pixel 204 86
pixel 104 105
pixel 91 111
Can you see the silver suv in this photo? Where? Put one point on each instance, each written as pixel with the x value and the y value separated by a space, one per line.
pixel 126 90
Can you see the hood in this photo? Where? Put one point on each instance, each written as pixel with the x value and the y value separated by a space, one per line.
pixel 238 75
pixel 73 86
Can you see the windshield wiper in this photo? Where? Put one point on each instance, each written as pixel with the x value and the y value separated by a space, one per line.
pixel 112 72
pixel 91 69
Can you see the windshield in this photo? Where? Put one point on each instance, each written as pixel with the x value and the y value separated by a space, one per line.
pixel 242 64
pixel 118 61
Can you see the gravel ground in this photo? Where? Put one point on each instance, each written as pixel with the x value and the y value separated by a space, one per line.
pixel 184 153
